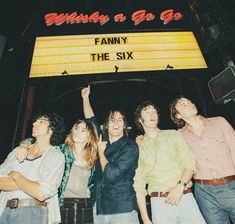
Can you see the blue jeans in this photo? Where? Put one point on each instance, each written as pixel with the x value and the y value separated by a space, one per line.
pixel 217 203
pixel 25 215
pixel 186 212
pixel 120 218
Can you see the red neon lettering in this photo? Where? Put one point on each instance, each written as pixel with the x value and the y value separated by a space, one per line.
pixel 140 15
pixel 94 17
pixel 85 18
pixel 150 16
pixel 178 16
pixel 71 18
pixel 119 17
pixel 103 19
pixel 169 15
pixel 50 18
pixel 58 19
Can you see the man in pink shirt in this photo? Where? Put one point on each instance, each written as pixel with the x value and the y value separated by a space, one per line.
pixel 212 141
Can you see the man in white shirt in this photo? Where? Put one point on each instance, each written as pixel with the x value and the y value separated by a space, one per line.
pixel 29 189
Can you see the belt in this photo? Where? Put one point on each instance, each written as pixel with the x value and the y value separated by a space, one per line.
pixel 77 200
pixel 16 202
pixel 164 194
pixel 221 181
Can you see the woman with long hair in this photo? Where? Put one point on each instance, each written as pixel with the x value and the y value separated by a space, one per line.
pixel 80 151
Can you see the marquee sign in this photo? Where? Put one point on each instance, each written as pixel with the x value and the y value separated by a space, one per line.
pixel 110 53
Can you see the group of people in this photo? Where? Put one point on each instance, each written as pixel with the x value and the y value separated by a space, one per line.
pixel 101 176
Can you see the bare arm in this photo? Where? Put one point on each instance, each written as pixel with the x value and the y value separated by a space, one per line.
pixel 176 193
pixel 101 148
pixel 142 207
pixel 31 188
pixel 8 184
pixel 87 109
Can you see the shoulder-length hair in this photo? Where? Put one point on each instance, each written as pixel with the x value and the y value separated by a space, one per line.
pixel 138 111
pixel 110 115
pixel 173 112
pixel 90 149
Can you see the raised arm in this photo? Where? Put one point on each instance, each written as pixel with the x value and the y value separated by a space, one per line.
pixel 87 109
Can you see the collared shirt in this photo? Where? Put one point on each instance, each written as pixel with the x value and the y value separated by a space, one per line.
pixel 214 148
pixel 114 186
pixel 162 162
pixel 113 190
pixel 50 173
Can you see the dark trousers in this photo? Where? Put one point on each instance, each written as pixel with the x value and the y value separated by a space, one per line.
pixel 76 211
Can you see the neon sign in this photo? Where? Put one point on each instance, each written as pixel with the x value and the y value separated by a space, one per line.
pixel 137 17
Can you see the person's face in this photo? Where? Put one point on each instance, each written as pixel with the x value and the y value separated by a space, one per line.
pixel 41 127
pixel 116 125
pixel 80 133
pixel 149 117
pixel 185 108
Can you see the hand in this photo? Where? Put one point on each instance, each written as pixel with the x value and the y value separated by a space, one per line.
pixel 85 91
pixel 101 145
pixel 21 153
pixel 102 158
pixel 139 139
pixel 175 194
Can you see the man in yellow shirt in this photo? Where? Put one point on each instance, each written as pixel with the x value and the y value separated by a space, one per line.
pixel 166 166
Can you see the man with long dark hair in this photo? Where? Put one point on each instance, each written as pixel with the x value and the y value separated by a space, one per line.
pixel 115 199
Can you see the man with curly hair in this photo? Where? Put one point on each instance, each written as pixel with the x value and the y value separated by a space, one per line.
pixel 29 189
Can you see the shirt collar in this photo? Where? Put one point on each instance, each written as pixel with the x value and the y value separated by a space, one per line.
pixel 147 138
pixel 121 141
pixel 205 121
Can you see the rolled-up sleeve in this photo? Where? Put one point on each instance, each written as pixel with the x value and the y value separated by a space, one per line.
pixel 115 170
pixel 139 179
pixel 8 164
pixel 51 177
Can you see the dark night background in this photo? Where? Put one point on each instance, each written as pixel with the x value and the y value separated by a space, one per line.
pixel 213 23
